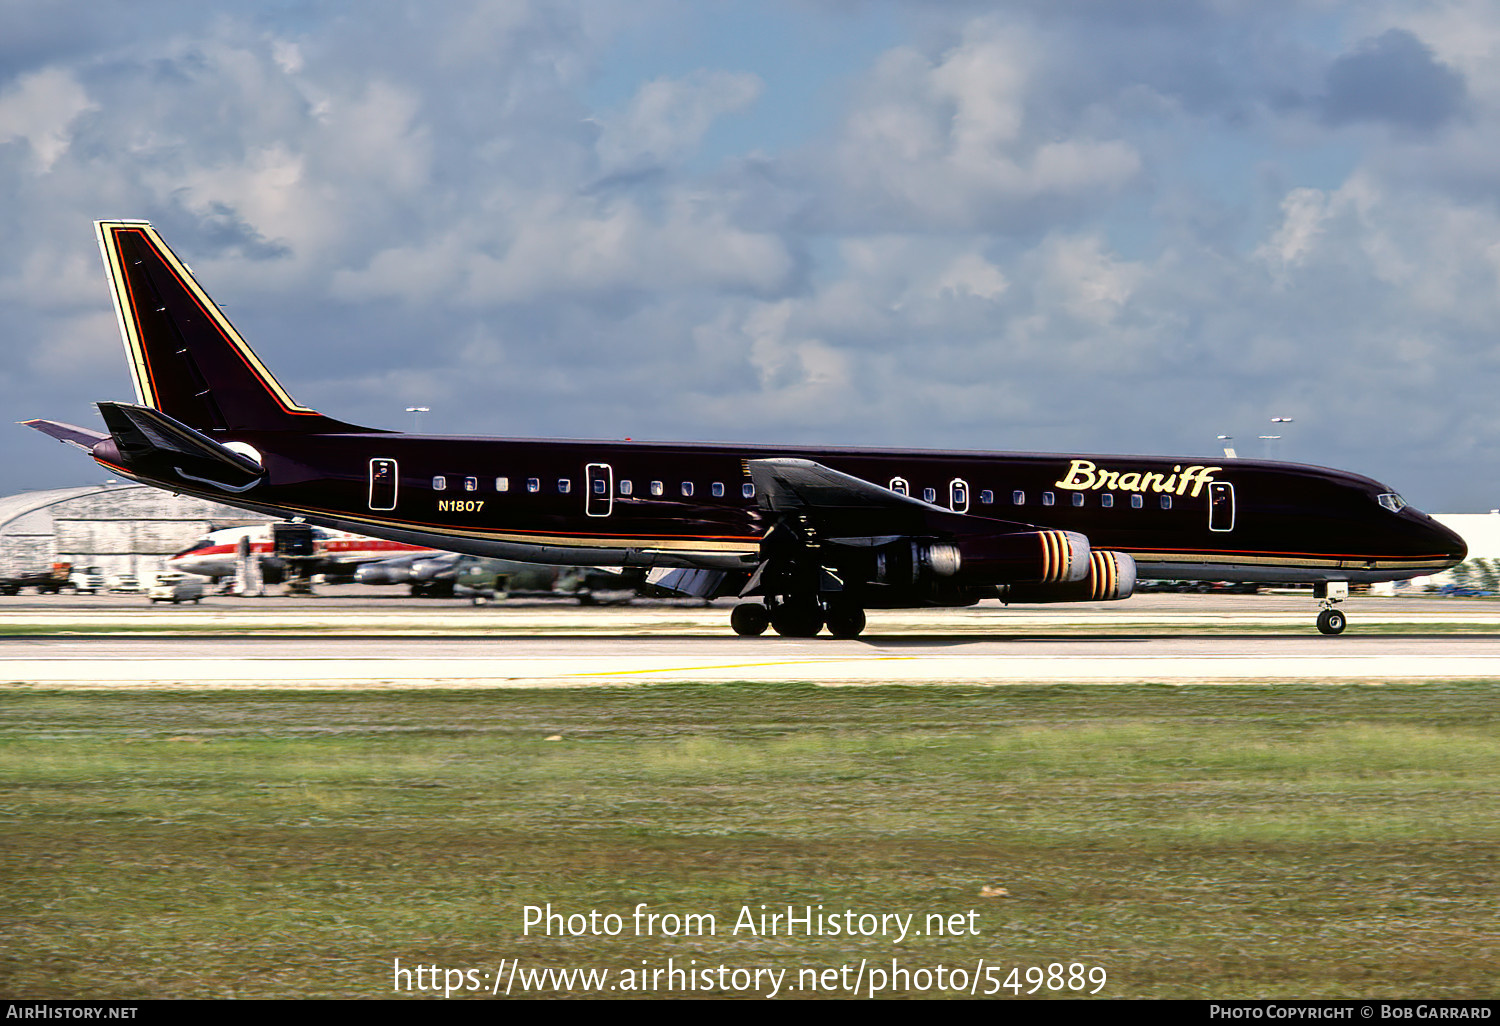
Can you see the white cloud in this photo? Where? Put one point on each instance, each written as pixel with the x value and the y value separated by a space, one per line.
pixel 39 109
pixel 951 142
pixel 667 118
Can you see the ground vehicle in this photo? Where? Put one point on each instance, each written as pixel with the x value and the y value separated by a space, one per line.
pixel 88 581
pixel 175 587
pixel 46 582
pixel 126 583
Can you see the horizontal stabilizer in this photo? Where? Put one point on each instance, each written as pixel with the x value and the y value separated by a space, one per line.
pixel 71 434
pixel 150 439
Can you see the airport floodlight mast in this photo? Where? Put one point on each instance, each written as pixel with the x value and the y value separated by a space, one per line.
pixel 1229 452
pixel 1270 441
pixel 416 417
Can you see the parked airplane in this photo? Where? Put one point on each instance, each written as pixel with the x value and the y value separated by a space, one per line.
pixel 445 574
pixel 820 535
pixel 342 553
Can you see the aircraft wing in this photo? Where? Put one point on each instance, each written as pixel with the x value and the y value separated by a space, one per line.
pixel 851 510
pixel 791 485
pixel 70 434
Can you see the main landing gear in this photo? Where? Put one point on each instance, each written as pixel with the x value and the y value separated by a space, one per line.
pixel 798 618
pixel 1331 620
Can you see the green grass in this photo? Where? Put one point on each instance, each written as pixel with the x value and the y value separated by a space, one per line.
pixel 1203 841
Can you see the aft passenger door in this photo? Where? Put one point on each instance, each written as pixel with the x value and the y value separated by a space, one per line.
pixel 599 490
pixel 382 484
pixel 1221 506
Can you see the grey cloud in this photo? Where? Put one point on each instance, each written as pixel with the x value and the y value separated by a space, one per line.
pixel 1393 79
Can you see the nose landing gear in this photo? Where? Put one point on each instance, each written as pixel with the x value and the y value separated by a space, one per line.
pixel 1331 620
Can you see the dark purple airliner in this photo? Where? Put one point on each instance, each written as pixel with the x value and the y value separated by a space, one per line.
pixel 819 535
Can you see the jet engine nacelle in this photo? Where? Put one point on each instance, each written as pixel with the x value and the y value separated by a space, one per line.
pixel 1039 557
pixel 377 573
pixel 1110 576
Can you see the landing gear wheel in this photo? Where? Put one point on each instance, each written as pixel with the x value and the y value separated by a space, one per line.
pixel 749 619
pixel 797 621
pixel 846 621
pixel 1331 621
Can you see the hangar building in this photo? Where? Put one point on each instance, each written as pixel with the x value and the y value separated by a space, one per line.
pixel 119 528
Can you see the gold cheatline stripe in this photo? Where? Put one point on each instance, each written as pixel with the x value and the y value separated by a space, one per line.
pixel 1333 564
pixel 134 356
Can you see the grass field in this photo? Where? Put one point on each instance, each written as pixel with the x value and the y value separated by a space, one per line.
pixel 1195 842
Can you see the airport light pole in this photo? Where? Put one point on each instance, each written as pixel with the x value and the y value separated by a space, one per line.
pixel 1229 452
pixel 416 417
pixel 1270 441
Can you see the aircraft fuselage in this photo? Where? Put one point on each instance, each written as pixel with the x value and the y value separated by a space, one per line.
pixel 694 505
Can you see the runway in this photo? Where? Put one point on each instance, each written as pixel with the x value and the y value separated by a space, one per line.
pixel 1173 640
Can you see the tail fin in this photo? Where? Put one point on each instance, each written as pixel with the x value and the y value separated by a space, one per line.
pixel 186 358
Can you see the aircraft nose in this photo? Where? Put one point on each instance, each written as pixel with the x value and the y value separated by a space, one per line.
pixel 1450 543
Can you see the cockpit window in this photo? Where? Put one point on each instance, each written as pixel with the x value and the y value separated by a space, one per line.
pixel 1391 501
pixel 201 543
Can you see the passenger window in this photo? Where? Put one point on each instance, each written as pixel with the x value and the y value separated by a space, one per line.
pixel 1106 500
pixel 717 489
pixel 929 495
pixel 1166 502
pixel 748 490
pixel 471 484
pixel 533 484
pixel 439 483
pixel 1018 498
pixel 626 487
pixel 1047 499
pixel 987 498
pixel 502 484
pixel 601 486
pixel 657 488
pixel 1078 498
pixel 687 488
pixel 1136 502
pixel 564 486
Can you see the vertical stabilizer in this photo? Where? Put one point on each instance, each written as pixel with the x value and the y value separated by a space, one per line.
pixel 187 360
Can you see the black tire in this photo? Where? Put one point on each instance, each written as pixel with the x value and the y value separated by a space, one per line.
pixel 1331 621
pixel 846 621
pixel 749 619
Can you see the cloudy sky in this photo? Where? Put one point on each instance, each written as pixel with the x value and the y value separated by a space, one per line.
pixel 1081 225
